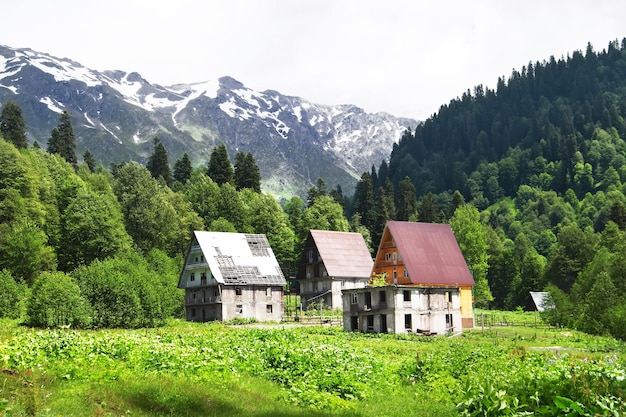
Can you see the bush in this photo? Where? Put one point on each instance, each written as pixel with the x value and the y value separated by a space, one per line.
pixel 11 294
pixel 55 301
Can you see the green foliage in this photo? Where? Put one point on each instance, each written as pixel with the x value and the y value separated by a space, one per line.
pixel 55 300
pixel 12 125
pixel 62 140
pixel 158 163
pixel 12 293
pixel 219 169
pixel 93 228
pixel 325 214
pixel 183 169
pixel 25 251
pixel 124 292
pixel 472 239
pixel 247 173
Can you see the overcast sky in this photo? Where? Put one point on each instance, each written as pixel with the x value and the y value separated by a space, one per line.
pixel 404 57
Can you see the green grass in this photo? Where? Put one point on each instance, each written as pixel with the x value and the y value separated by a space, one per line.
pixel 191 369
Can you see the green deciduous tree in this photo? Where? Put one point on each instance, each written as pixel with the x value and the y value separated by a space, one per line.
pixel 25 251
pixel 92 228
pixel 12 293
pixel 55 300
pixel 325 214
pixel 472 239
pixel 12 125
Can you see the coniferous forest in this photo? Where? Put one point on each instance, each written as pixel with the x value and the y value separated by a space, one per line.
pixel 530 175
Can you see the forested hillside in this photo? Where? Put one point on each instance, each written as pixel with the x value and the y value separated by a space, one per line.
pixel 542 158
pixel 92 246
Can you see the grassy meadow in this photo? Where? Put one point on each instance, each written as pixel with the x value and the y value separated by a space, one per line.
pixel 191 369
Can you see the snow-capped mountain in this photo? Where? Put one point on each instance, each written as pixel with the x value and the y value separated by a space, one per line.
pixel 117 114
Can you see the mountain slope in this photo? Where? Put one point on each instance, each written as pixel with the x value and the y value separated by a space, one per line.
pixel 116 114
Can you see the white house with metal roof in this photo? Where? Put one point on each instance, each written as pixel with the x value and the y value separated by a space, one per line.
pixel 331 262
pixel 231 275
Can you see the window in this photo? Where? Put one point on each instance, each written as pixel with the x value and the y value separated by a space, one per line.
pixel 387 256
pixel 343 283
pixel 268 292
pixel 406 295
pixel 405 273
pixel 268 309
pixel 238 291
pixel 368 300
pixel 310 255
pixel 408 322
pixel 309 271
pixel 192 277
pixel 239 309
pixel 324 273
pixel 196 259
pixel 203 277
pixel 201 258
pixel 354 299
pixel 381 297
pixel 449 324
pixel 193 312
pixel 395 275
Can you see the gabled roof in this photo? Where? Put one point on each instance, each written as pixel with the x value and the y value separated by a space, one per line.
pixel 239 258
pixel 430 253
pixel 540 300
pixel 344 254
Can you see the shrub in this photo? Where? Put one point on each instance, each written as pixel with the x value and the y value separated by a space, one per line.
pixel 55 300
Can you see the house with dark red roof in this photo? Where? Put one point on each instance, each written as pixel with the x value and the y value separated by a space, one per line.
pixel 427 284
pixel 331 262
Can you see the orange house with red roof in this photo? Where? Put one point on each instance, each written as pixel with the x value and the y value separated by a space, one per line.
pixel 429 286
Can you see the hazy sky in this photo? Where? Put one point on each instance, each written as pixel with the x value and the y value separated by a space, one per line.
pixel 404 57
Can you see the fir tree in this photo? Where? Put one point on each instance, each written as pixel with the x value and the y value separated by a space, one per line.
pixel 183 169
pixel 220 170
pixel 158 164
pixel 89 160
pixel 12 125
pixel 247 173
pixel 62 140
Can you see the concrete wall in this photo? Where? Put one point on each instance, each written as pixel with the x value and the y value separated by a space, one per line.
pixel 229 302
pixel 402 309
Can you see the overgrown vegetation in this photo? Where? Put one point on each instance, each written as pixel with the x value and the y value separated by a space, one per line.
pixel 194 369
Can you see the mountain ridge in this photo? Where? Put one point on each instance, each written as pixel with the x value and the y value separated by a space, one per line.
pixel 116 114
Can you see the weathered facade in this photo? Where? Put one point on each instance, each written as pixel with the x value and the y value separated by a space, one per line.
pixel 402 309
pixel 422 266
pixel 331 262
pixel 231 275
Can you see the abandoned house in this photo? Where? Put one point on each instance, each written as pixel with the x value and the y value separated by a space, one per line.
pixel 332 262
pixel 428 286
pixel 231 275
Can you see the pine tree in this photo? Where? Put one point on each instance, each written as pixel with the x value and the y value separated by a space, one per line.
pixel 89 160
pixel 427 211
pixel 12 125
pixel 364 201
pixel 158 164
pixel 220 170
pixel 247 173
pixel 407 200
pixel 62 140
pixel 183 169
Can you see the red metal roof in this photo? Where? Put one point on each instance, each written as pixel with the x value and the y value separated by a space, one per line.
pixel 344 254
pixel 430 253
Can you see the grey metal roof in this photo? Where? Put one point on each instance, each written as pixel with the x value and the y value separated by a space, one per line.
pixel 240 258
